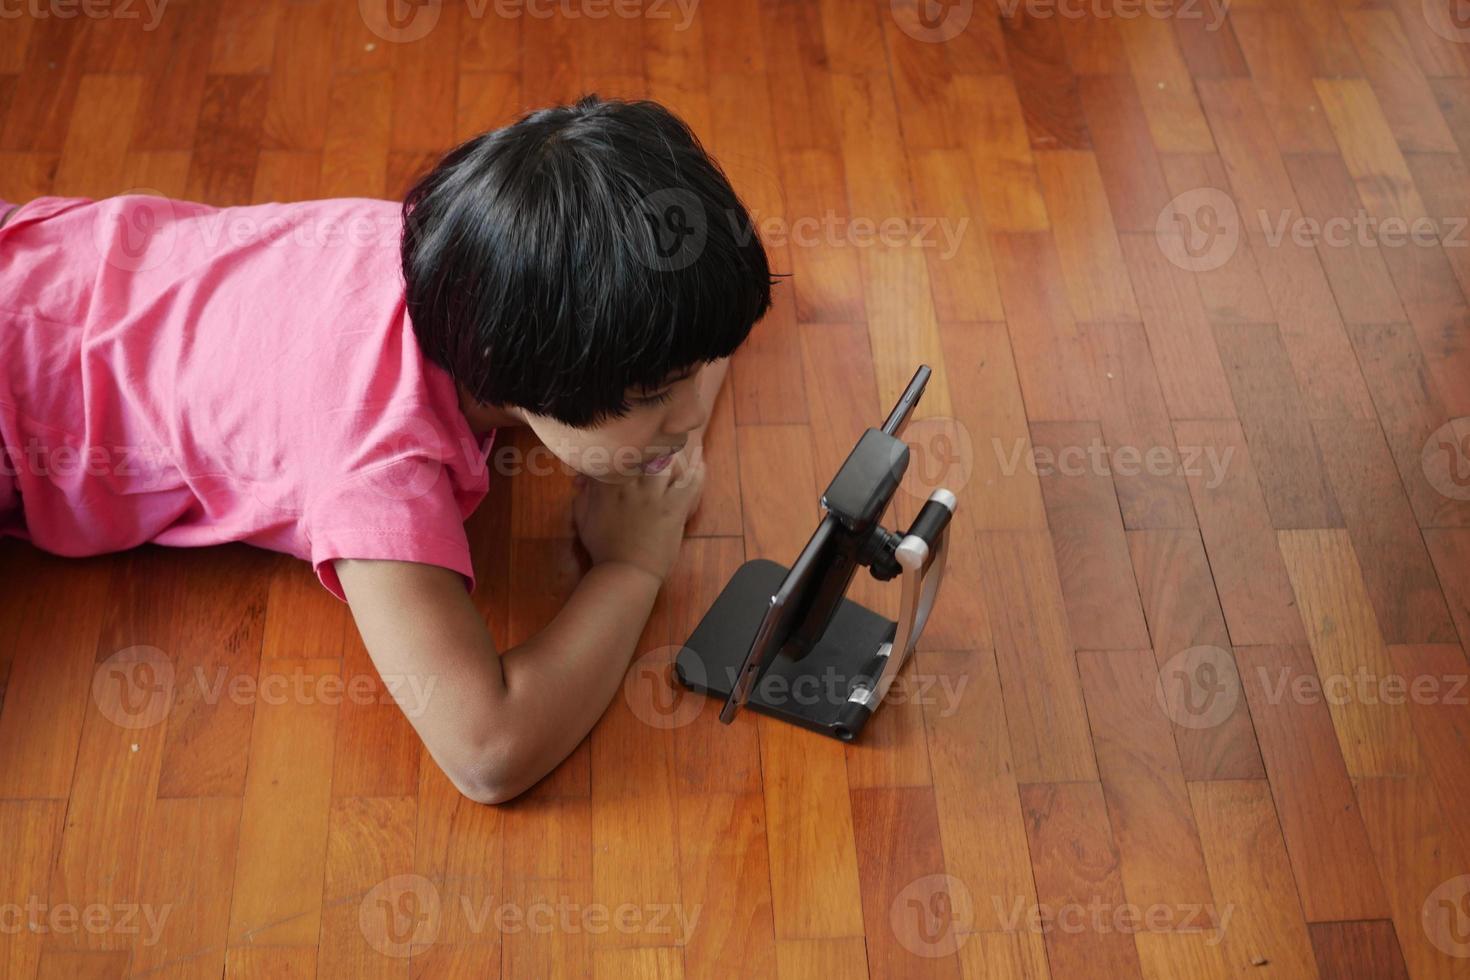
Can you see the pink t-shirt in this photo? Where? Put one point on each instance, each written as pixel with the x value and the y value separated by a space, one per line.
pixel 190 375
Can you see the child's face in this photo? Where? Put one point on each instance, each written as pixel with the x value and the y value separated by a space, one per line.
pixel 643 441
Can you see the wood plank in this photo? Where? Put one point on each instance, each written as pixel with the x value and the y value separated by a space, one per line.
pixel 1433 681
pixel 997 142
pixel 1190 373
pixel 1351 258
pixel 1076 866
pixel 1164 87
pixel 1145 465
pixel 52 670
pixel 185 887
pixel 1034 655
pixel 279 867
pixel 1148 805
pixel 1274 420
pixel 1037 58
pixel 1320 824
pixel 1192 652
pixel 1255 594
pixel 34 829
pixel 1423 871
pixel 1396 567
pixel 1281 69
pixel 1082 226
pixel 1248 870
pixel 1298 289
pixel 1410 413
pixel 724 873
pixel 1229 284
pixel 815 890
pixel 1050 362
pixel 374 909
pixel 1377 738
pixel 1392 70
pixel 1000 492
pixel 827 277
pixel 1344 949
pixel 1450 550
pixel 1087 537
pixel 979 811
pixel 912 915
pixel 961 267
pixel 1126 157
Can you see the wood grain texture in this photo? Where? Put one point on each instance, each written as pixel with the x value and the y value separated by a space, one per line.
pixel 1168 681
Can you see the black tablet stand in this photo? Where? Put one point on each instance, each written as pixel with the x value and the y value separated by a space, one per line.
pixel 787 641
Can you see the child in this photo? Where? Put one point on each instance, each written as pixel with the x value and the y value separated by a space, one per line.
pixel 326 379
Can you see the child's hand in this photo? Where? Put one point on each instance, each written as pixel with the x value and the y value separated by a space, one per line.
pixel 640 522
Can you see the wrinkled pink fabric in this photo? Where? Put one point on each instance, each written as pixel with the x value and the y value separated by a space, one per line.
pixel 189 375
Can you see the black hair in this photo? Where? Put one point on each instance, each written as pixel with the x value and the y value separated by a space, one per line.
pixel 580 252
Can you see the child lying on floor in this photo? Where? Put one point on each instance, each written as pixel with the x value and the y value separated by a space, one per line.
pixel 326 379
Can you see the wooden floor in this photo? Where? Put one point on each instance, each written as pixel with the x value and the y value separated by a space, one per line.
pixel 1194 703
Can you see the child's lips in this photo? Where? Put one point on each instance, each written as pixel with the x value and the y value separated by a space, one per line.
pixel 658 465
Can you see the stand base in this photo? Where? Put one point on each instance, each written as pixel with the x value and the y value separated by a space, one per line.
pixel 811 692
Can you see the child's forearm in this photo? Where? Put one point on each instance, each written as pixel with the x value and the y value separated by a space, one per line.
pixel 558 683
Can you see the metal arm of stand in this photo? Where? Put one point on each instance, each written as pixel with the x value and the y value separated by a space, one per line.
pixel 921 579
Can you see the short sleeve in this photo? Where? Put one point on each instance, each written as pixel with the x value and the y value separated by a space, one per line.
pixel 404 510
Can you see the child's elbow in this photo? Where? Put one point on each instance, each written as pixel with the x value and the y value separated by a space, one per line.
pixel 493 778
